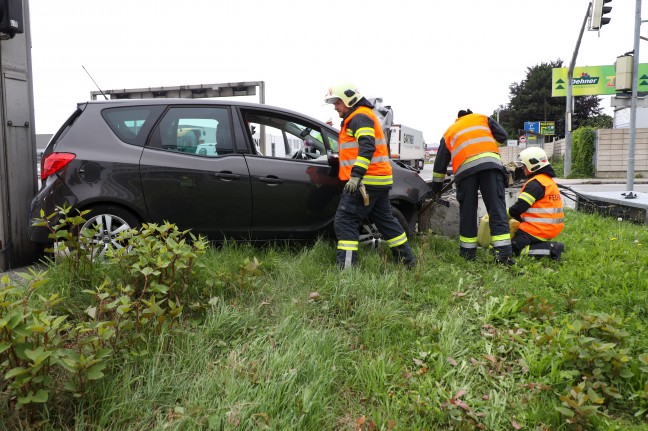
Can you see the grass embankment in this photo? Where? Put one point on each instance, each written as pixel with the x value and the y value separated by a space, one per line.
pixel 291 343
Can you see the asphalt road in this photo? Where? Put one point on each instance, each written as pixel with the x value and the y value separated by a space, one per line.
pixel 592 185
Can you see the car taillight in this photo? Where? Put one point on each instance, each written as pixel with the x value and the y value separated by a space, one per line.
pixel 54 162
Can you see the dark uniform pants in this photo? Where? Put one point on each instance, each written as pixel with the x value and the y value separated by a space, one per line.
pixel 491 184
pixel 349 217
pixel 526 244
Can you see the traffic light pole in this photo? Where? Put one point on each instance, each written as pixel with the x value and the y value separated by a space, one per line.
pixel 633 100
pixel 569 108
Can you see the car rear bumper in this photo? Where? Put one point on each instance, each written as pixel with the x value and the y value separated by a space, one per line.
pixel 50 198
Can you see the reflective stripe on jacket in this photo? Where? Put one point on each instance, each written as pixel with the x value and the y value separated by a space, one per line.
pixel 379 171
pixel 545 217
pixel 470 142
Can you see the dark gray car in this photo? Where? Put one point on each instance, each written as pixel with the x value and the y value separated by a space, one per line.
pixel 223 169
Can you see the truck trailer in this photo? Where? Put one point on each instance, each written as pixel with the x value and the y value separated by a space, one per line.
pixel 406 144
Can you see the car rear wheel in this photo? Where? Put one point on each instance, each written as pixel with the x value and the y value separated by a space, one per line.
pixel 370 236
pixel 105 223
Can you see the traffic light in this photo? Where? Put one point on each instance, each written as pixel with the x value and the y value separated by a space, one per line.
pixel 11 18
pixel 598 12
pixel 560 128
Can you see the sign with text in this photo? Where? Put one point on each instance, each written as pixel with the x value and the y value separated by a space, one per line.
pixel 532 126
pixel 540 127
pixel 547 127
pixel 592 80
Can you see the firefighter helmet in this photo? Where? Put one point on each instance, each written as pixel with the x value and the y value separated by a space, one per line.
pixel 533 158
pixel 346 92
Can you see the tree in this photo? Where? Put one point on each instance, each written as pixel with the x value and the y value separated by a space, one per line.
pixel 531 100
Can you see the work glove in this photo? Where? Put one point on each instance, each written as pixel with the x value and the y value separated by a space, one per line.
pixel 352 185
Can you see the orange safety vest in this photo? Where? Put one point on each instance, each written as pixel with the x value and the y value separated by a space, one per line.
pixel 469 138
pixel 379 172
pixel 545 218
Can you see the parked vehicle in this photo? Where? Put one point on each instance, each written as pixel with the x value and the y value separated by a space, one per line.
pixel 406 144
pixel 136 161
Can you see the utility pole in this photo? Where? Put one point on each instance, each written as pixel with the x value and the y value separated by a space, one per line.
pixel 569 108
pixel 633 101
pixel 17 137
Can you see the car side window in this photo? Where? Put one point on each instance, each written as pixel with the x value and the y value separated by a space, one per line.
pixel 132 125
pixel 203 131
pixel 281 137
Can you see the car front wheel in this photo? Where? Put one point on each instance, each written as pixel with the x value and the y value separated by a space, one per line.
pixel 370 236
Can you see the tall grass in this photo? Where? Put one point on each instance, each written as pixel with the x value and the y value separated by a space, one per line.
pixel 288 342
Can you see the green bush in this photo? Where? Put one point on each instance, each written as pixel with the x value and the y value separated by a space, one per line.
pixel 45 353
pixel 583 153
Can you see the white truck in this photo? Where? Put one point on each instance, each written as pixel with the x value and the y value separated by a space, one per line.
pixel 406 144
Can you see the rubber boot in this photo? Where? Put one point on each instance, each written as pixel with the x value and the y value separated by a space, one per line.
pixel 468 253
pixel 346 258
pixel 557 248
pixel 504 255
pixel 403 254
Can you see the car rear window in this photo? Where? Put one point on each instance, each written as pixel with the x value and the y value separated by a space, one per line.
pixel 132 124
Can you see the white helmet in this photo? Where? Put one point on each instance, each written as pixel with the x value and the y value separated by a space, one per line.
pixel 346 92
pixel 533 158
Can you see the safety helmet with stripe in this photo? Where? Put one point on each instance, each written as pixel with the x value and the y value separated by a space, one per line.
pixel 533 158
pixel 346 92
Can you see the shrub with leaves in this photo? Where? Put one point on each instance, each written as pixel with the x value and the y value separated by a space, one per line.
pixel 583 153
pixel 598 351
pixel 41 351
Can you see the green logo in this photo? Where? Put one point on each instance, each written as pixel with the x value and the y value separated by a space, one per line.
pixel 586 79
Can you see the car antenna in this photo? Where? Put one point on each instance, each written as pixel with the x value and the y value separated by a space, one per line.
pixel 102 93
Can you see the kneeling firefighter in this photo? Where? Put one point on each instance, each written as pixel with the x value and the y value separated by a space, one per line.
pixel 539 208
pixel 365 166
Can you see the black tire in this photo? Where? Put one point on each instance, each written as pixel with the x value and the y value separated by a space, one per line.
pixel 403 221
pixel 107 222
pixel 370 236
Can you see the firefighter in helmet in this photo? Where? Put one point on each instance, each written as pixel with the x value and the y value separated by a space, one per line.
pixel 539 208
pixel 366 168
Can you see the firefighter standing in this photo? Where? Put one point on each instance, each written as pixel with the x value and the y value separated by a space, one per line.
pixel 471 144
pixel 364 162
pixel 539 208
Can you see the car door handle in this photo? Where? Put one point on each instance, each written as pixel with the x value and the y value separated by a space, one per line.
pixel 227 176
pixel 271 179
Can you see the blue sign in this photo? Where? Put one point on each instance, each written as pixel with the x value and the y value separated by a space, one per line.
pixel 532 126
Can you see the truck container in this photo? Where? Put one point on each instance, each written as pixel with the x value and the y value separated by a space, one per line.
pixel 406 144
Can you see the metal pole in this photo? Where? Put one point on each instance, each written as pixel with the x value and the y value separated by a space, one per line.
pixel 569 105
pixel 633 103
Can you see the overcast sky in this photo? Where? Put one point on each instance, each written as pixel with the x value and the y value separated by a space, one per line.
pixel 427 59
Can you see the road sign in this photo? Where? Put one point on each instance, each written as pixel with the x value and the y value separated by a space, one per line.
pixel 532 126
pixel 522 139
pixel 547 127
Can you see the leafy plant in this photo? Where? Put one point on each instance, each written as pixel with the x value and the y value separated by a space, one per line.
pixel 583 152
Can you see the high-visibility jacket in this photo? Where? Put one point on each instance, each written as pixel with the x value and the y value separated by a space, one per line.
pixel 378 169
pixel 470 142
pixel 545 218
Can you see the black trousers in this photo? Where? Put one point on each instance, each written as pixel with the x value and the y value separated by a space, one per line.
pixel 351 213
pixel 492 186
pixel 525 243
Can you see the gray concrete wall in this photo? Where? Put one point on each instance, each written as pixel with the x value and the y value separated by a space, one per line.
pixel 611 156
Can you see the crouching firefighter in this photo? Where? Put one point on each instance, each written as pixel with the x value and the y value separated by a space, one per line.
pixel 539 208
pixel 366 168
